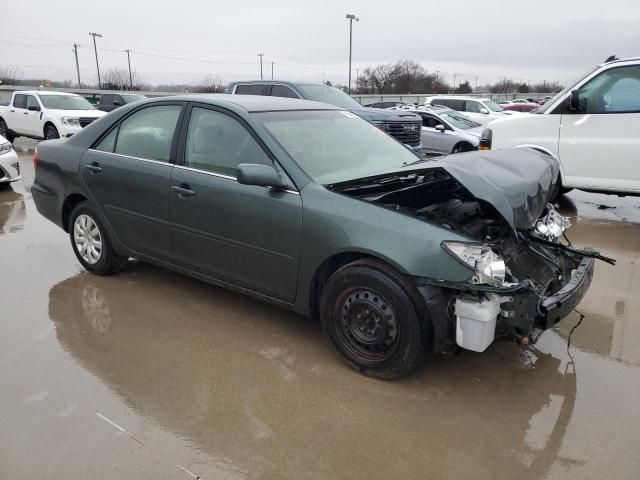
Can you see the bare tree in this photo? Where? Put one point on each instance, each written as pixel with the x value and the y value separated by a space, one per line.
pixel 208 83
pixel 405 76
pixel 10 76
pixel 117 78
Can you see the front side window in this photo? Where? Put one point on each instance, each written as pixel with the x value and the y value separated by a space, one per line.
pixel 429 121
pixel 283 91
pixel 334 146
pixel 32 102
pixel 473 107
pixel 148 133
pixel 218 143
pixel 108 143
pixel 616 90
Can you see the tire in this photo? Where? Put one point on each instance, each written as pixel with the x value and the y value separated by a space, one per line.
pixel 461 147
pixel 91 244
pixel 558 191
pixel 368 312
pixel 4 131
pixel 51 132
pixel 5 186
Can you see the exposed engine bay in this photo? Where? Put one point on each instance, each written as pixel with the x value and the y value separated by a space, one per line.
pixel 519 275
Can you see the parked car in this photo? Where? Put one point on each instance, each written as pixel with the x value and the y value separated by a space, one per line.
pixel 385 104
pixel 45 115
pixel 9 165
pixel 480 110
pixel 111 101
pixel 309 207
pixel 404 126
pixel 447 131
pixel 591 127
pixel 521 106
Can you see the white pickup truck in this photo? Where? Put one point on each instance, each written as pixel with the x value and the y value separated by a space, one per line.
pixel 45 115
pixel 592 128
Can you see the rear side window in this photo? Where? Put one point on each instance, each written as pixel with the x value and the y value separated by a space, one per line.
pixel 148 133
pixel 106 100
pixel 218 143
pixel 20 101
pixel 283 91
pixel 251 89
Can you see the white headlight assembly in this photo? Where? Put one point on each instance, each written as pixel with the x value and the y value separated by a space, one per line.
pixel 488 266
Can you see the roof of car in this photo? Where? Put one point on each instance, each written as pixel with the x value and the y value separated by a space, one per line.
pixel 253 103
pixel 460 97
pixel 275 82
pixel 45 92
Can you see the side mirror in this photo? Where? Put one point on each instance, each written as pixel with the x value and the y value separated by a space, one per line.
pixel 440 128
pixel 33 108
pixel 260 175
pixel 574 101
pixel 484 110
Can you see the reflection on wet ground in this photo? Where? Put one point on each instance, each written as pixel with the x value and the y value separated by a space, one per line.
pixel 149 374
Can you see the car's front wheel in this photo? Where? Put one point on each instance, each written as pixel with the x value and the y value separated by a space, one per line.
pixel 368 313
pixel 4 131
pixel 51 132
pixel 91 244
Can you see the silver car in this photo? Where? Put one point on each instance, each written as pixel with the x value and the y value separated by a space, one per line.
pixel 447 131
pixel 9 166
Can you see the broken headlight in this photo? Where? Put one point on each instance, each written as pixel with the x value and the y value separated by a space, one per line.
pixel 488 266
pixel 552 225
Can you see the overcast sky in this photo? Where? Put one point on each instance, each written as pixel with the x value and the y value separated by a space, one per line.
pixel 552 40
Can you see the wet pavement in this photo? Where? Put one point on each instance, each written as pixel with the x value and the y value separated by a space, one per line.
pixel 149 374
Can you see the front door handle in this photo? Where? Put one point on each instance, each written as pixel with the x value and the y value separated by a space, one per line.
pixel 183 190
pixel 93 167
pixel 26 113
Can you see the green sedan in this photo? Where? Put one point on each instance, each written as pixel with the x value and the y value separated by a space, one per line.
pixel 312 208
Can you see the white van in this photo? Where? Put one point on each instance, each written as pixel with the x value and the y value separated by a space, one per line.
pixel 592 127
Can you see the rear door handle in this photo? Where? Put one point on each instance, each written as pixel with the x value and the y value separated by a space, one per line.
pixel 26 113
pixel 93 167
pixel 183 190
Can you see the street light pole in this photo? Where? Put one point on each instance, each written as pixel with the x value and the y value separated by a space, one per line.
pixel 272 63
pixel 357 77
pixel 351 17
pixel 261 55
pixel 130 76
pixel 95 49
pixel 75 51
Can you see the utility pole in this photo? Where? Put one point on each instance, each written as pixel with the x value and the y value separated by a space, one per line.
pixel 357 77
pixel 351 17
pixel 95 49
pixel 75 52
pixel 272 63
pixel 454 80
pixel 261 55
pixel 476 82
pixel 130 76
pixel 437 75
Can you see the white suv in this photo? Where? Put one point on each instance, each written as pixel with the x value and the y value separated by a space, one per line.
pixel 592 127
pixel 480 110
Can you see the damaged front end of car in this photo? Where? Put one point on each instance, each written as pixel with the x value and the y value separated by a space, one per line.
pixel 524 274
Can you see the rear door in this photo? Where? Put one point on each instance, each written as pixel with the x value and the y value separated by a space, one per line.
pixel 244 235
pixel 16 118
pixel 128 173
pixel 600 144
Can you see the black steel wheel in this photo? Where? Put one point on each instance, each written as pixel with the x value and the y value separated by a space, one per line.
pixel 51 132
pixel 371 316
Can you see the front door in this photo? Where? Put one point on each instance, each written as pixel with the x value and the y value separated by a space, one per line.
pixel 244 235
pixel 128 173
pixel 435 140
pixel 600 144
pixel 32 124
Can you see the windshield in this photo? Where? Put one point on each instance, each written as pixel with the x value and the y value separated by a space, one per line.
pixel 493 106
pixel 65 102
pixel 458 121
pixel 328 94
pixel 334 146
pixel 133 98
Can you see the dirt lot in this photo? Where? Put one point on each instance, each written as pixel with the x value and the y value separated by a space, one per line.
pixel 149 374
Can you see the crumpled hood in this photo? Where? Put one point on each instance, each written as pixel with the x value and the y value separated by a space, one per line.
pixel 516 181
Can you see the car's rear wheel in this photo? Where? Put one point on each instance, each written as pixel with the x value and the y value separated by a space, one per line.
pixel 368 313
pixel 51 132
pixel 91 244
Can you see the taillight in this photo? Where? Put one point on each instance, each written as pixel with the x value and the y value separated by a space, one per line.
pixel 35 158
